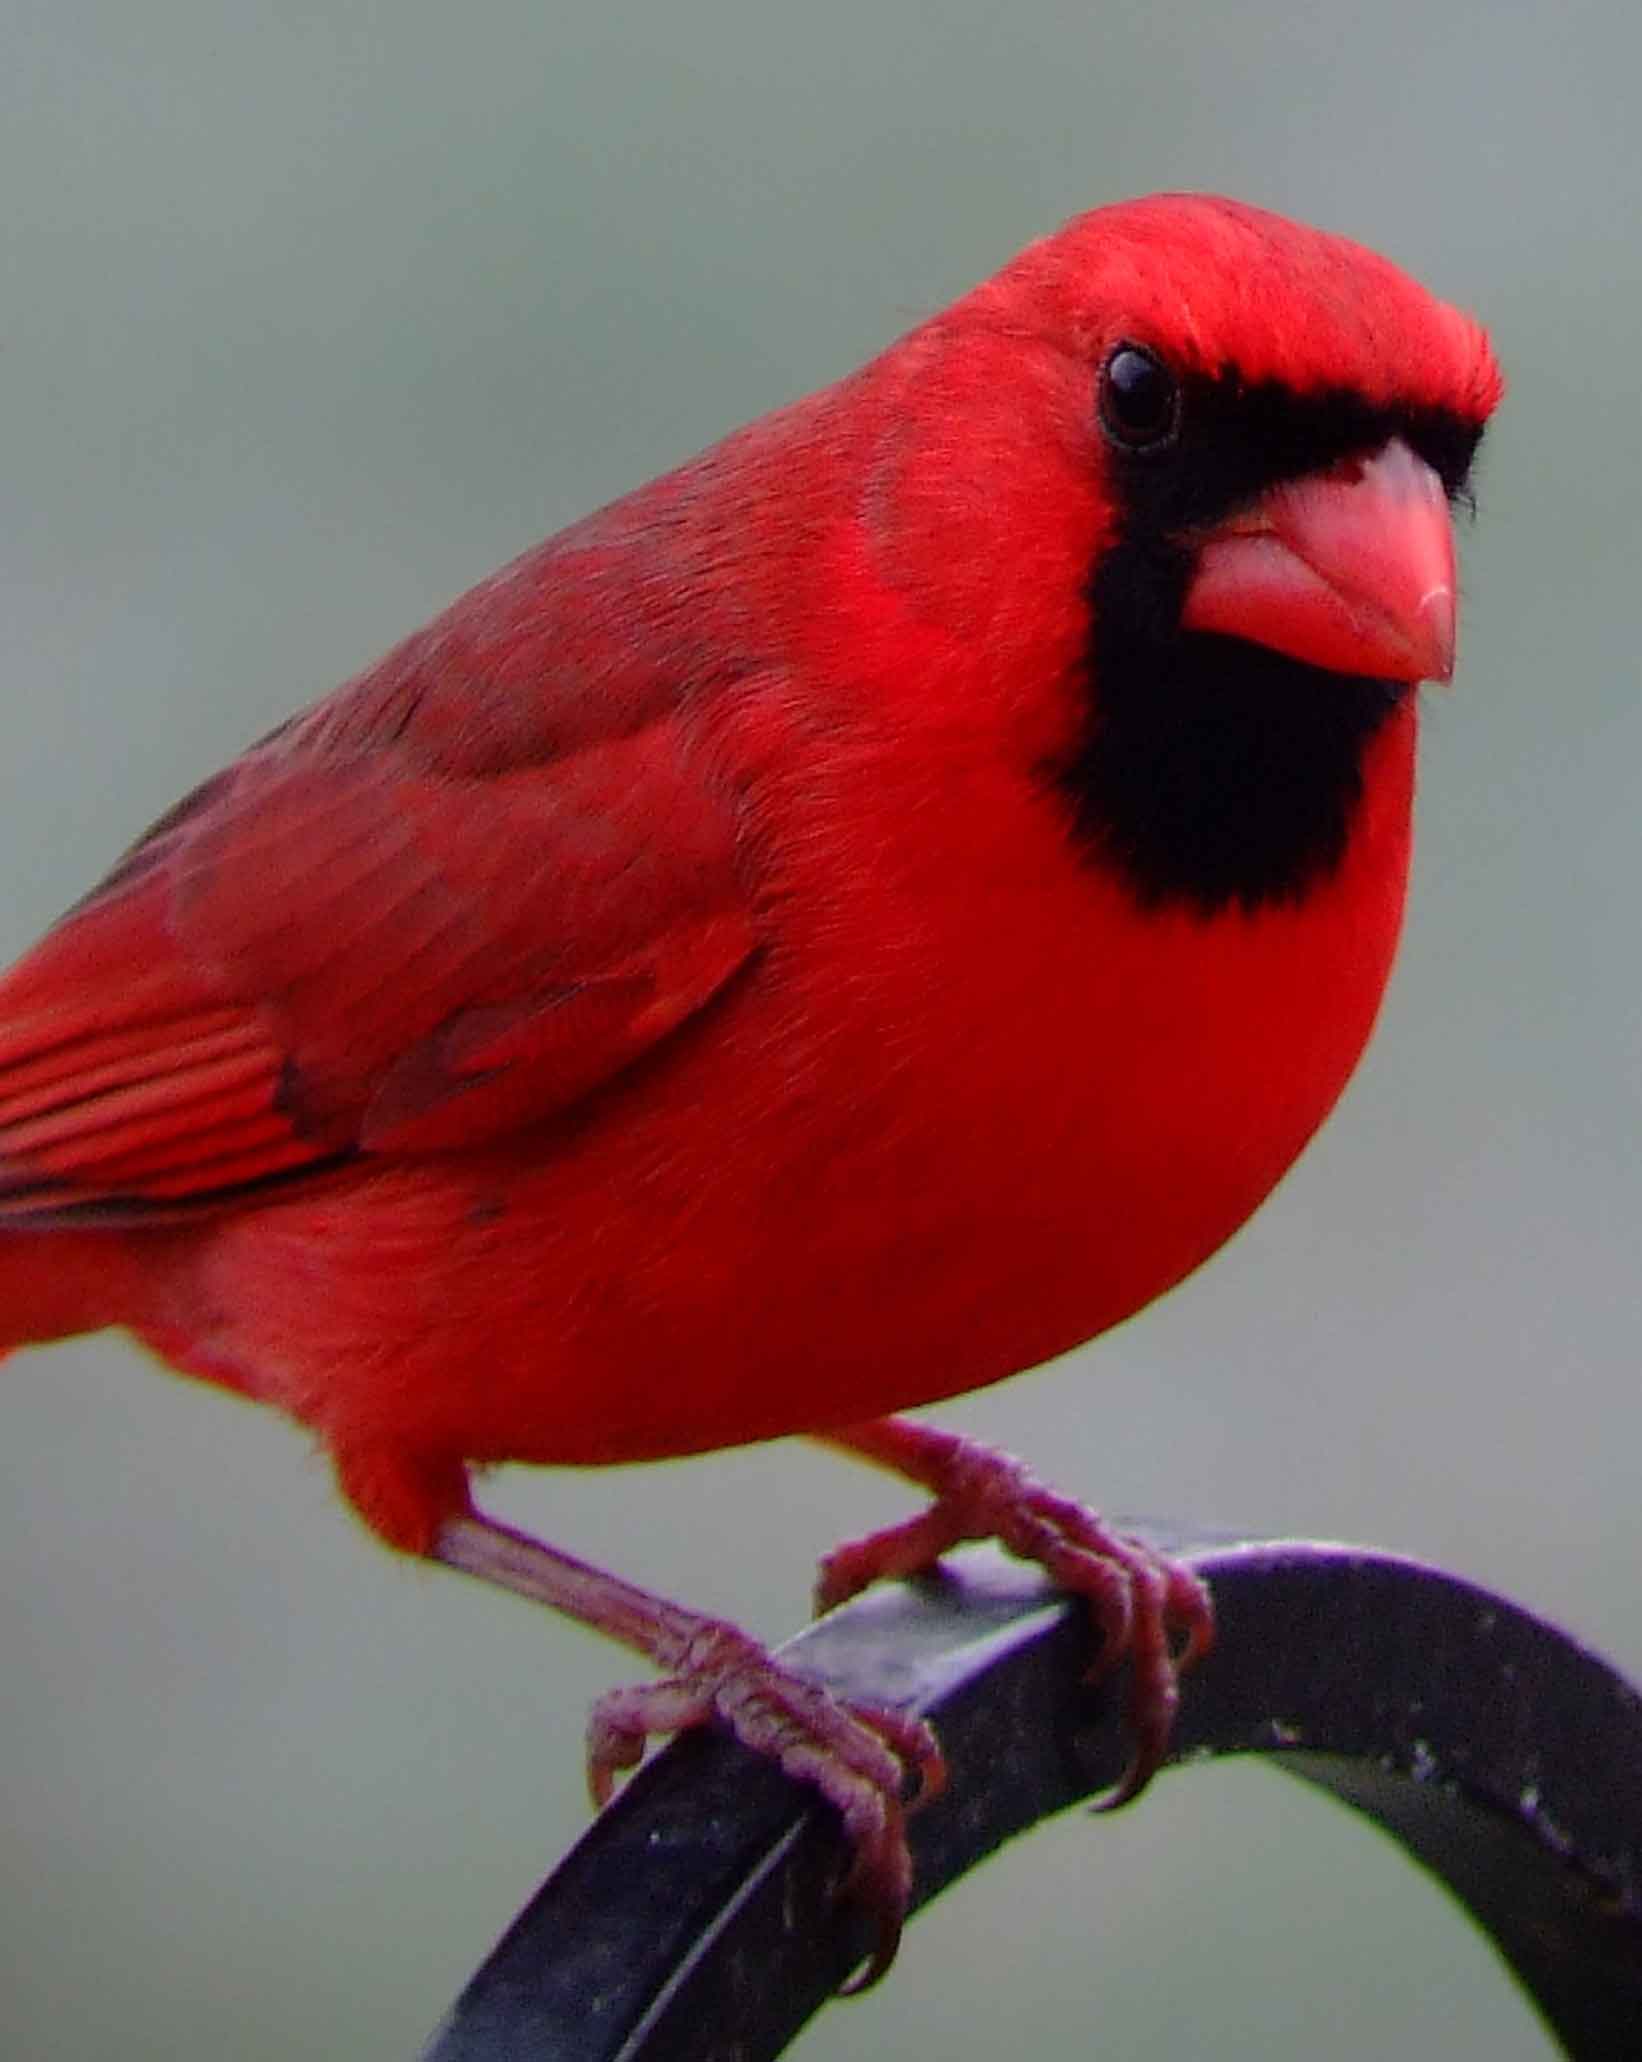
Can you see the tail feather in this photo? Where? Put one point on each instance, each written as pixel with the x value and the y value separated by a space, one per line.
pixel 128 1089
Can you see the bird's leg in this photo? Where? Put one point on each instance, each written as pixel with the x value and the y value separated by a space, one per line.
pixel 860 1758
pixel 1150 1610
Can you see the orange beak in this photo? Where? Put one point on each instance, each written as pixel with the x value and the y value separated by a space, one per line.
pixel 1352 569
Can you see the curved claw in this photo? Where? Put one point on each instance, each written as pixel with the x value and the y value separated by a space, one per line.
pixel 860 1758
pixel 878 1964
pixel 1150 1611
pixel 1126 1789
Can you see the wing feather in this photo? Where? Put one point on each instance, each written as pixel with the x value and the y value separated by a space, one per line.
pixel 329 953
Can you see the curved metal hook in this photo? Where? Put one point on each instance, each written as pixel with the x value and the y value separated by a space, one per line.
pixel 696 1917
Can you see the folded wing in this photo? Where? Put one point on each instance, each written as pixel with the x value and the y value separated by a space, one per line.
pixel 349 947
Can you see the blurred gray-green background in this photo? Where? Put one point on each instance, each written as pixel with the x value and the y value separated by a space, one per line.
pixel 309 315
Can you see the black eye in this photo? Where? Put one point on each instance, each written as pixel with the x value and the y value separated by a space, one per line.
pixel 1139 399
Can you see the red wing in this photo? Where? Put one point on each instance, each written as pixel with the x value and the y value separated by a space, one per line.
pixel 335 953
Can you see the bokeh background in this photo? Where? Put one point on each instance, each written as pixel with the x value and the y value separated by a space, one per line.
pixel 310 315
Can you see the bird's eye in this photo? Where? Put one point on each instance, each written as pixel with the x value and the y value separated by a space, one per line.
pixel 1139 399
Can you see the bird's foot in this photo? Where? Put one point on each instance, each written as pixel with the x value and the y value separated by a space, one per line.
pixel 861 1758
pixel 1150 1610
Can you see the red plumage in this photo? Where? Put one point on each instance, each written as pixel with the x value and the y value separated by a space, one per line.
pixel 674 999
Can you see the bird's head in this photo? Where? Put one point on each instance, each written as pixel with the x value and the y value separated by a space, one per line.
pixel 1239 443
pixel 1283 414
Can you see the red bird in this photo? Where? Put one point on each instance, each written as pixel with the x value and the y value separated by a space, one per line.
pixel 846 923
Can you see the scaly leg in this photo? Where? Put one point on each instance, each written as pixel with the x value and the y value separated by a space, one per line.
pixel 1149 1609
pixel 859 1758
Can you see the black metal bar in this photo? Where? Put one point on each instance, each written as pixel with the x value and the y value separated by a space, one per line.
pixel 696 1919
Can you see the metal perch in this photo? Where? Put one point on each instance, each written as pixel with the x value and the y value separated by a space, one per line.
pixel 696 1920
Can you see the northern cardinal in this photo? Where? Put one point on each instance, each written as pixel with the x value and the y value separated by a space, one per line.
pixel 846 923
